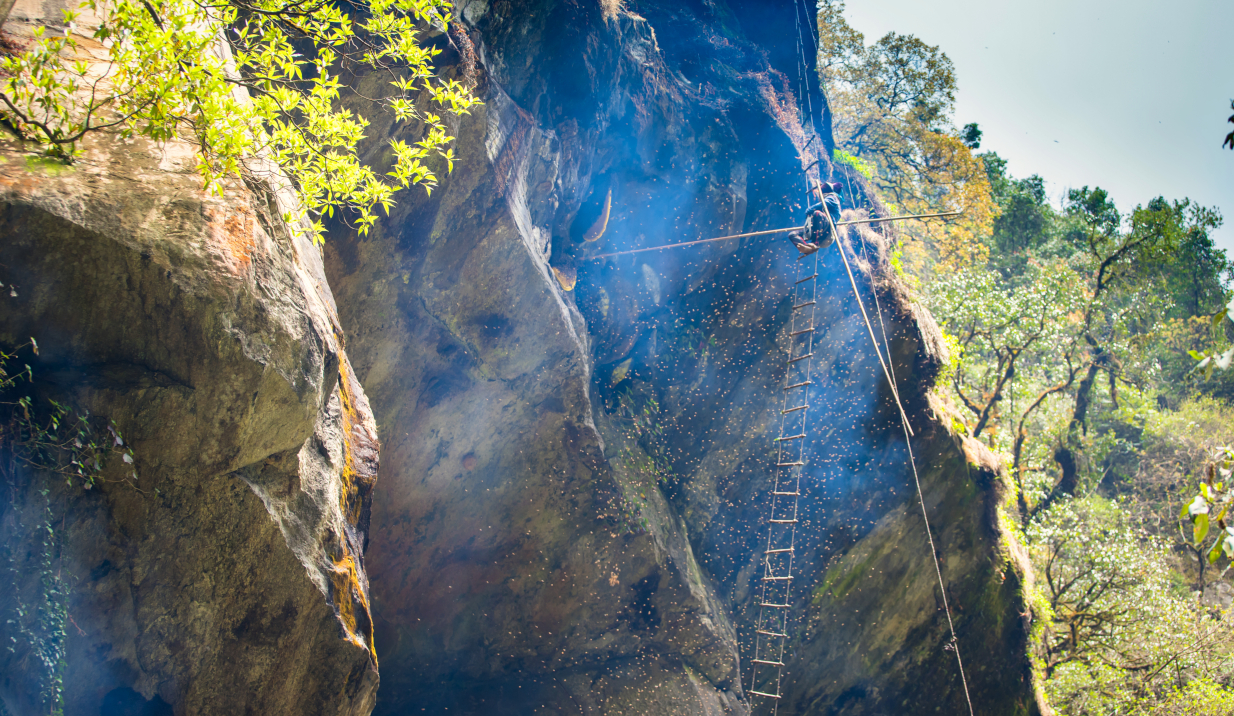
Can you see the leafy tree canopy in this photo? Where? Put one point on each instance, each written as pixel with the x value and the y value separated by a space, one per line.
pixel 255 84
pixel 892 102
pixel 1069 327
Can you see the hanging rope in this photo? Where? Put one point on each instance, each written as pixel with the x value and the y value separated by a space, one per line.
pixel 874 341
pixel 802 81
pixel 777 631
pixel 954 644
pixel 804 68
pixel 771 630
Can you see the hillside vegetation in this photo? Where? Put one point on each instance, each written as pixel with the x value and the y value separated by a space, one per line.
pixel 1075 329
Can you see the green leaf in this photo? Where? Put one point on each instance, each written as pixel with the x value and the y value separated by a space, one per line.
pixel 1200 529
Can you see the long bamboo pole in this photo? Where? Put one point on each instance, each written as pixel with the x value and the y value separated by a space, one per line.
pixel 772 231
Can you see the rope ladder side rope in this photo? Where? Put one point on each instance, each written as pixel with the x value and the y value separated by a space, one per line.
pixel 775 598
pixel 772 629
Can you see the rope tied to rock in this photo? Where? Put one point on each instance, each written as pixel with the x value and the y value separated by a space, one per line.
pixel 768 232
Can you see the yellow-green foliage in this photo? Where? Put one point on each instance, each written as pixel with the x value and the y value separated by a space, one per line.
pixel 903 140
pixel 1201 696
pixel 955 354
pixel 251 82
pixel 1190 433
pixel 866 169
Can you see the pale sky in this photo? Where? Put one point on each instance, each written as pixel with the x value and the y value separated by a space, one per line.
pixel 1128 95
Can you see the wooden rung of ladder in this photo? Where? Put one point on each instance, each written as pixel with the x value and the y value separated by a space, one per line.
pixel 785 493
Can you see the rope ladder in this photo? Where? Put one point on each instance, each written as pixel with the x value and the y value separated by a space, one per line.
pixel 775 593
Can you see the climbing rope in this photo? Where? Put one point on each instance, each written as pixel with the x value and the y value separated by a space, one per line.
pixel 802 82
pixel 771 630
pixel 954 644
pixel 772 626
pixel 804 68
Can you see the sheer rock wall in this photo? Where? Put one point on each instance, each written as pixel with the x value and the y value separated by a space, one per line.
pixel 228 576
pixel 573 483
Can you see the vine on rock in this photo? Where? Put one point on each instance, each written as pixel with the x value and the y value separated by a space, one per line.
pixel 51 440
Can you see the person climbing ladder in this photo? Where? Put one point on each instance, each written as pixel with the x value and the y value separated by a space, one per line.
pixel 819 229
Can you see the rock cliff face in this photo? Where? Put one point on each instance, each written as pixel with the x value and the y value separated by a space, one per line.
pixel 227 577
pixel 573 483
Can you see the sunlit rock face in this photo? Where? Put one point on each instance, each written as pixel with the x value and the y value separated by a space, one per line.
pixel 227 576
pixel 573 482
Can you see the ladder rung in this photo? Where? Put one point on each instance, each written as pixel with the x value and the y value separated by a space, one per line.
pixel 772 633
pixel 791 437
pixel 760 693
pixel 787 494
pixel 777 551
pixel 803 330
pixel 803 305
pixel 768 663
pixel 774 606
pixel 788 464
pixel 793 410
pixel 798 385
pixel 776 579
pixel 807 278
pixel 783 522
pixel 798 358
